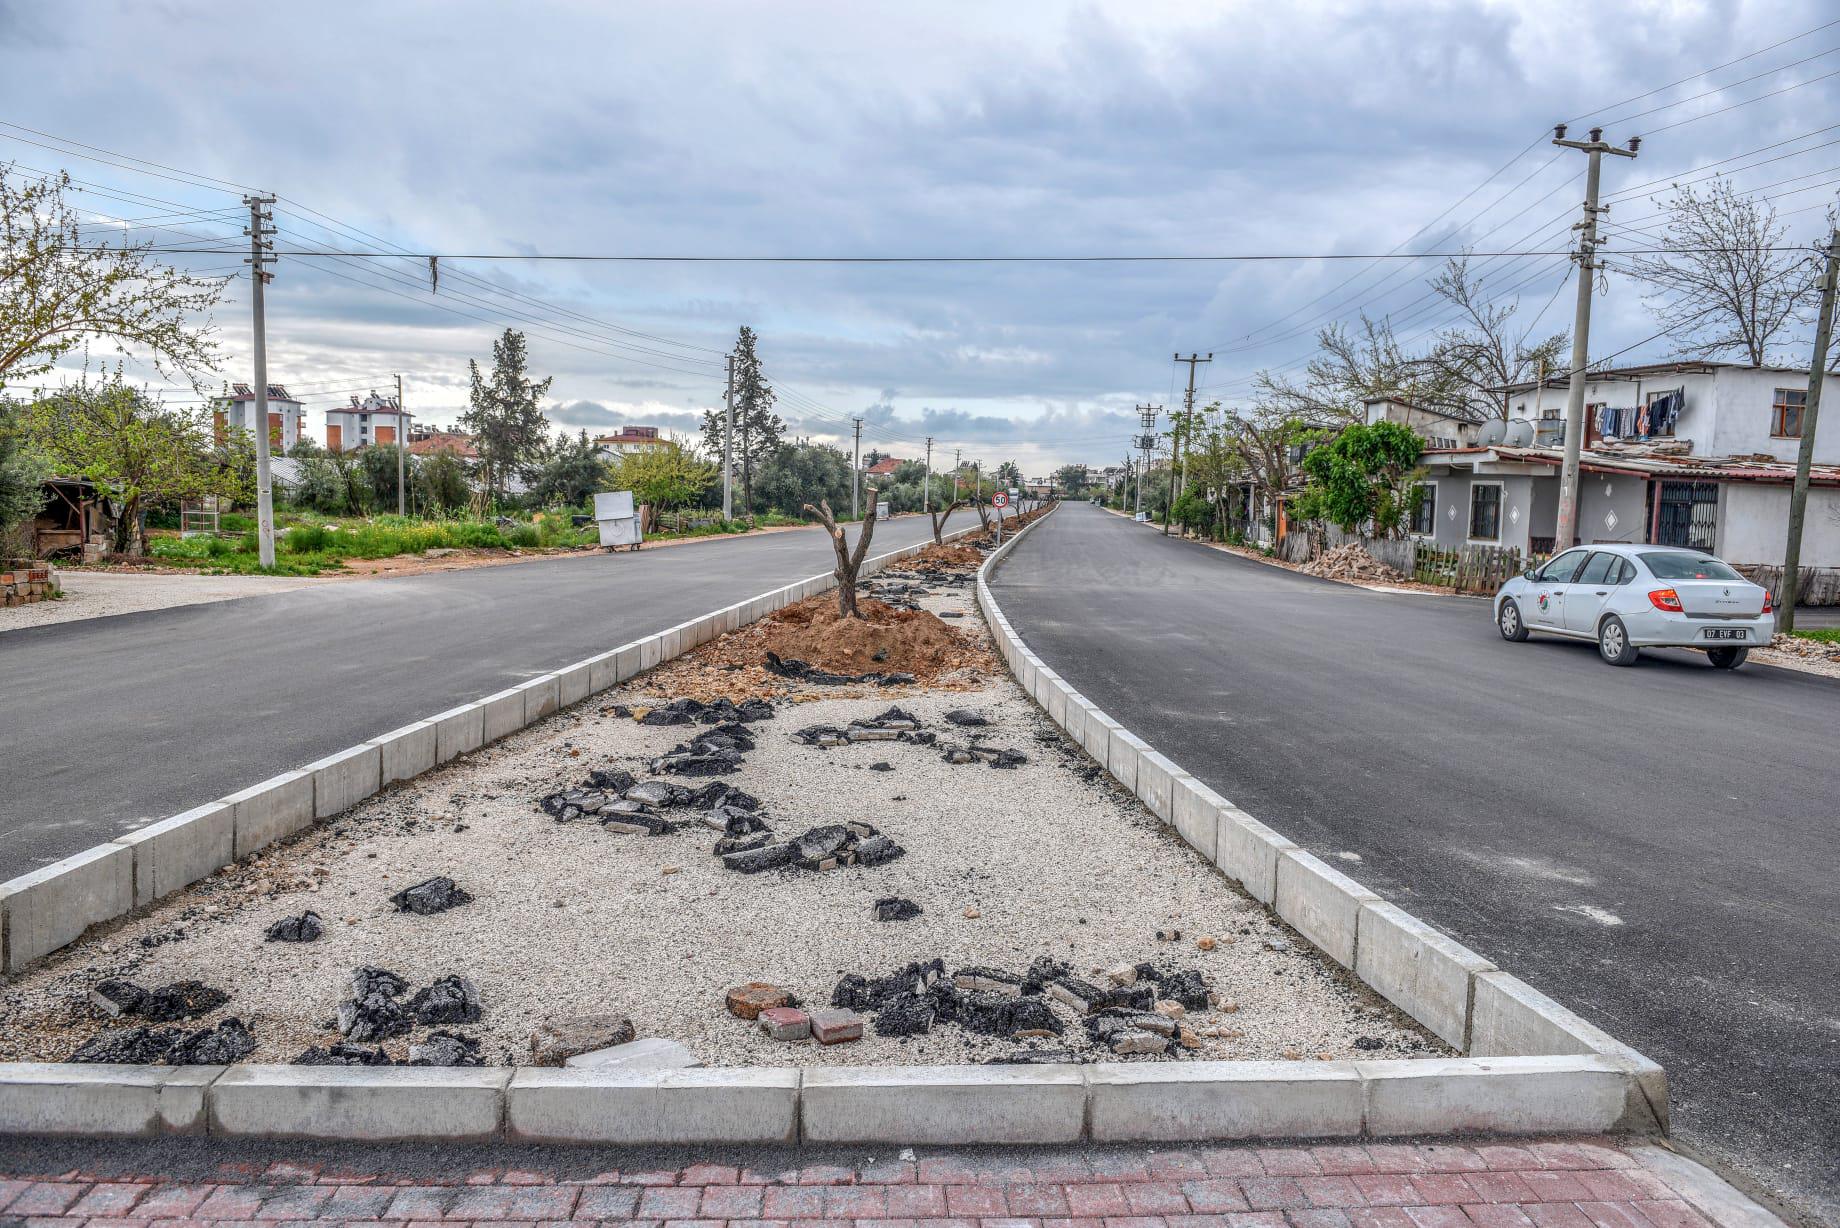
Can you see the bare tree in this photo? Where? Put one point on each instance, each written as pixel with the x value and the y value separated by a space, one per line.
pixel 849 562
pixel 1486 351
pixel 1720 285
pixel 60 286
pixel 940 516
pixel 1353 365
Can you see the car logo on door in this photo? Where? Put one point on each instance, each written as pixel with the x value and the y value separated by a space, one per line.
pixel 1728 592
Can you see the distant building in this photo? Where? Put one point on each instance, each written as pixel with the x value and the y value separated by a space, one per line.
pixel 884 468
pixel 630 440
pixel 426 442
pixel 375 419
pixel 237 411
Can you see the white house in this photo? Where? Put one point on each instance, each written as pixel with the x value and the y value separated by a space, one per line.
pixel 1697 454
pixel 237 411
pixel 362 423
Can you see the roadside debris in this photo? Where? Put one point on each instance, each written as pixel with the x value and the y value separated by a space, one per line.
pixel 722 711
pixel 714 752
pixel 895 908
pixel 652 1053
pixel 446 1049
pixel 973 752
pixel 373 1012
pixel 451 999
pixel 804 671
pixel 437 894
pixel 894 725
pixel 229 1041
pixel 558 1040
pixel 821 848
pixel 785 1023
pixel 1352 562
pixel 304 928
pixel 749 1000
pixel 342 1053
pixel 167 1004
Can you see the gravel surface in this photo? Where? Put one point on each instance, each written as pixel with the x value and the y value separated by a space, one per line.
pixel 97 594
pixel 1049 858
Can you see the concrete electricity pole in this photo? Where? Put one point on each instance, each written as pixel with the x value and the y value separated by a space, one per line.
pixel 1146 417
pixel 1596 148
pixel 402 445
pixel 926 491
pixel 1804 457
pixel 259 260
pixel 1176 454
pixel 956 465
pixel 856 472
pixel 728 437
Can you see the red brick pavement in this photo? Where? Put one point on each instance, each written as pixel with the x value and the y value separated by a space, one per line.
pixel 1552 1184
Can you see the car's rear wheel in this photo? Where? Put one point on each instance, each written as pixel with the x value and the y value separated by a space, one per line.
pixel 1727 658
pixel 1613 642
pixel 1513 626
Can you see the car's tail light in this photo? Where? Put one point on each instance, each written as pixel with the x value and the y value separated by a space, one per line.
pixel 1768 605
pixel 1666 599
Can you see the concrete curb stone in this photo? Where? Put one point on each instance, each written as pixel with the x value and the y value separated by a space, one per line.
pixel 408 752
pixel 369 1104
pixel 1423 971
pixel 68 1098
pixel 271 811
pixel 179 851
pixel 345 778
pixel 458 731
pixel 504 714
pixel 542 697
pixel 721 1105
pixel 51 906
pixel 943 1105
pixel 1156 1102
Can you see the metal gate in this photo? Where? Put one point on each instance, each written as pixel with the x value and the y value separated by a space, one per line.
pixel 1688 515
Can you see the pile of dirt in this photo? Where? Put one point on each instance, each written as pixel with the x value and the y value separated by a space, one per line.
pixel 939 556
pixel 1351 562
pixel 885 640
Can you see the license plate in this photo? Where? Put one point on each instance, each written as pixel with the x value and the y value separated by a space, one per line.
pixel 1721 633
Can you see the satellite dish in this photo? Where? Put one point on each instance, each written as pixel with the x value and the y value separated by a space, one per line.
pixel 1492 433
pixel 1520 433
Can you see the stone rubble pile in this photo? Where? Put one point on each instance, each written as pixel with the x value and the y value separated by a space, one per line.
pixel 787 667
pixel 375 1011
pixel 720 712
pixel 1140 1012
pixel 229 1041
pixel 437 894
pixel 304 928
pixel 1352 562
pixel 167 1004
pixel 894 725
pixel 821 848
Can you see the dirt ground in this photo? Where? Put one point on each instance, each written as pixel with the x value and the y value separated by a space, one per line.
pixel 1007 865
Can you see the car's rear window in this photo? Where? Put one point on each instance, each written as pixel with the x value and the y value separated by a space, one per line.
pixel 1685 565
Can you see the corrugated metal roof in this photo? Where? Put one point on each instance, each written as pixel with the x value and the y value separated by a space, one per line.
pixel 1652 463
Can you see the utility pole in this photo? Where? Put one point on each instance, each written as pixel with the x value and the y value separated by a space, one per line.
pixel 402 444
pixel 259 260
pixel 1146 440
pixel 956 465
pixel 1596 148
pixel 1804 458
pixel 856 472
pixel 728 438
pixel 1175 439
pixel 926 491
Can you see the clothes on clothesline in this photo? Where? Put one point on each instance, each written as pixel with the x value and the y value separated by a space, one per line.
pixel 1658 417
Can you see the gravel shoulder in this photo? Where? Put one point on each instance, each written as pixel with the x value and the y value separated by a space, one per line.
pixel 1048 858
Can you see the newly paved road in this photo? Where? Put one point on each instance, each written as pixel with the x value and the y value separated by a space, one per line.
pixel 108 723
pixel 1653 846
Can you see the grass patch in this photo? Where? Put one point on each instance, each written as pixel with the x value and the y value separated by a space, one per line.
pixel 1826 635
pixel 309 548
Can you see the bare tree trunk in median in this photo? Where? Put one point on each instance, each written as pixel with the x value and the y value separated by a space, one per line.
pixel 848 562
pixel 939 522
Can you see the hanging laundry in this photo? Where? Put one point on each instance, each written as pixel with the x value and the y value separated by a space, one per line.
pixel 1644 420
pixel 1664 411
pixel 1606 422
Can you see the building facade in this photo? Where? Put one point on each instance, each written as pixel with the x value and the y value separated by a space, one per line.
pixel 287 417
pixel 373 420
pixel 630 440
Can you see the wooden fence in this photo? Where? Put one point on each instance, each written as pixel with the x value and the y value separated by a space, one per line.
pixel 1814 585
pixel 1471 569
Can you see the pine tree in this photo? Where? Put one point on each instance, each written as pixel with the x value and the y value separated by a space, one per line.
pixel 757 427
pixel 508 429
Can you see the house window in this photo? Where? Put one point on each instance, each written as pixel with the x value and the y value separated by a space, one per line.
pixel 1485 512
pixel 1424 513
pixel 1786 412
pixel 1657 429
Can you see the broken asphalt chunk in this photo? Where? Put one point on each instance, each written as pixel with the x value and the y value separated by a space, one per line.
pixel 435 895
pixel 451 999
pixel 304 928
pixel 342 1053
pixel 446 1049
pixel 895 908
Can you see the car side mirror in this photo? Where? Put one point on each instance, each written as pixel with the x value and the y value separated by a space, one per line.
pixel 1528 574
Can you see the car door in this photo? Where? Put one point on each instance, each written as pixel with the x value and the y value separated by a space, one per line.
pixel 1549 589
pixel 1588 592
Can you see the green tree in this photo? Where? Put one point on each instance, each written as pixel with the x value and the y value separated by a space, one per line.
pixel 757 427
pixel 21 473
pixel 571 471
pixel 137 449
pixel 503 415
pixel 441 481
pixel 664 478
pixel 59 288
pixel 1072 480
pixel 1008 474
pixel 796 474
pixel 1365 473
pixel 378 468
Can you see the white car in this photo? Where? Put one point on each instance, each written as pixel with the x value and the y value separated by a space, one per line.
pixel 1633 597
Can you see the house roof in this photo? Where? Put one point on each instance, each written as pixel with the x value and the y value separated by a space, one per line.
pixel 888 464
pixel 1648 461
pixel 1423 409
pixel 444 441
pixel 1644 370
pixel 631 434
pixel 243 392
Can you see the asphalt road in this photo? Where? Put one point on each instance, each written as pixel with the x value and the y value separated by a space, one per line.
pixel 1655 846
pixel 109 723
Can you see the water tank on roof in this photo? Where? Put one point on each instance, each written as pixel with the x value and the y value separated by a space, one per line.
pixel 1493 432
pixel 1520 433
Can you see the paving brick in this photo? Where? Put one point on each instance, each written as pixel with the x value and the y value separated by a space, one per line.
pixel 1215 1196
pixel 1097 1200
pixel 1555 1187
pixel 176 1201
pixel 1444 1189
pixel 1330 1191
pixel 525 1176
pixel 1042 1200
pixel 974 1200
pixel 1197 1221
pixel 668 1202
pixel 999 1222
pixel 800 1202
pixel 607 1202
pixel 730 1201
pixel 1119 1166
pixel 500 1202
pixel 1288 1162
pixel 917 1201
pixel 1614 1215
pixel 1341 1161
pixel 1501 1187
pixel 1557 1215
pixel 1136 1221
pixel 1233 1162
pixel 855 1202
pixel 1670 1213
pixel 1384 1189
pixel 357 1202
pixel 886 1172
pixel 109 1199
pixel 1166 1164
pixel 233 1202
pixel 10 1190
pixel 1438 1217
pixel 826 1174
pixel 47 1198
pixel 1078 1222
pixel 1498 1156
pixel 1256 1219
pixel 1320 1217
pixel 1155 1198
pixel 1271 1193
pixel 294 1202
pixel 1379 1217
pixel 419 1203
pixel 709 1174
pixel 1497 1215
pixel 1612 1186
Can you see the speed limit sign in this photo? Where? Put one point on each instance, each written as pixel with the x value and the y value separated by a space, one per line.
pixel 1000 499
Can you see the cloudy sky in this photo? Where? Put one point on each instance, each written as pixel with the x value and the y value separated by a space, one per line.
pixel 971 129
